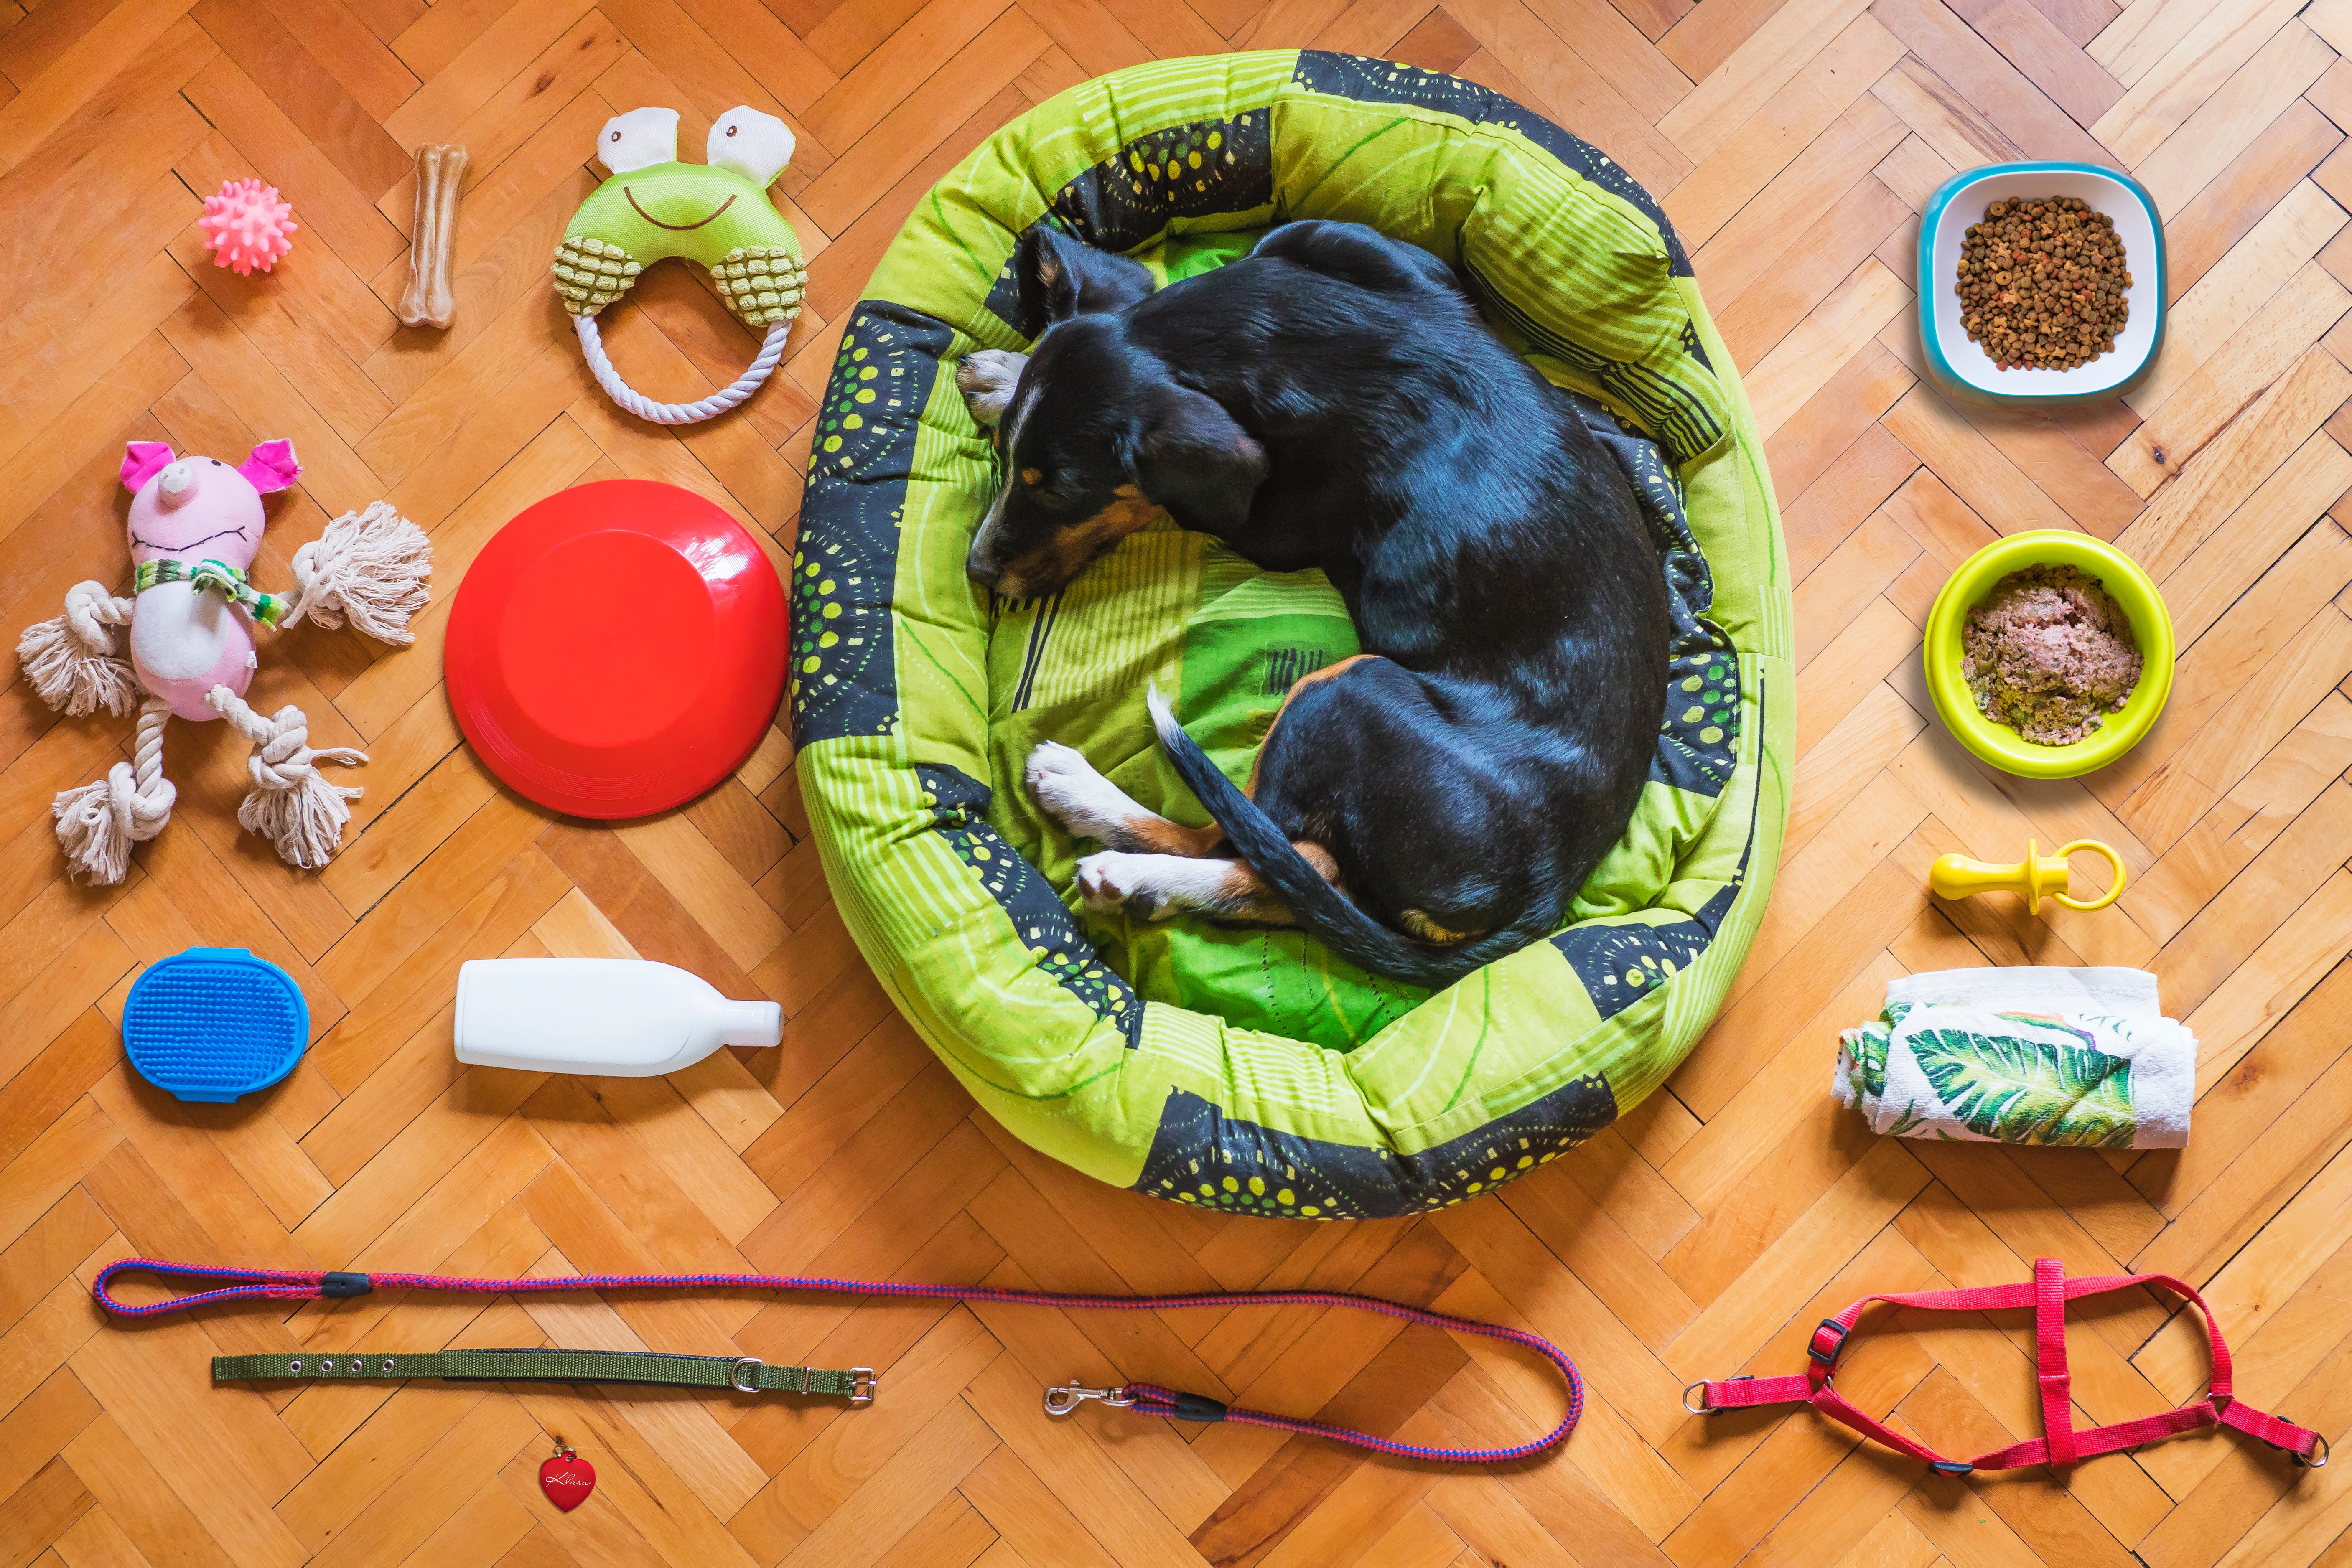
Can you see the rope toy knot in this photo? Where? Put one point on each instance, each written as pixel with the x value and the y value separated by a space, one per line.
pixel 97 823
pixel 89 611
pixel 283 759
pixel 119 803
pixel 69 659
pixel 140 816
pixel 369 568
pixel 291 805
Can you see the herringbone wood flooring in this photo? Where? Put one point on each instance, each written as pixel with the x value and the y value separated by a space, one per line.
pixel 1793 142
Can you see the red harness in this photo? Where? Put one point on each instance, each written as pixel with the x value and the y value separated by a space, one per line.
pixel 2062 1445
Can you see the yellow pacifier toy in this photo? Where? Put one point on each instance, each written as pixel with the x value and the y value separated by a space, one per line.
pixel 1957 876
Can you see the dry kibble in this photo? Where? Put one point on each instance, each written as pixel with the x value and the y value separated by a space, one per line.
pixel 2042 283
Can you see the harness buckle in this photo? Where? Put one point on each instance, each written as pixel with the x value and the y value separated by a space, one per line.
pixel 1951 1467
pixel 861 1385
pixel 1829 1359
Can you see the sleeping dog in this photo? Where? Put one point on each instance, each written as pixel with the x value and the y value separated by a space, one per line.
pixel 1334 401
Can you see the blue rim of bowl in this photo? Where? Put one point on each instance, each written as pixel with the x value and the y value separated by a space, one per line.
pixel 1950 379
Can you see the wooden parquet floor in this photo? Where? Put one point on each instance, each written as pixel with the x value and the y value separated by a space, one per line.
pixel 1793 141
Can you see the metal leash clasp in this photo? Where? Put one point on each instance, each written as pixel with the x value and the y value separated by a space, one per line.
pixel 1064 1398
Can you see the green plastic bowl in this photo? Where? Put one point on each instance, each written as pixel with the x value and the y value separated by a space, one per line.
pixel 2131 588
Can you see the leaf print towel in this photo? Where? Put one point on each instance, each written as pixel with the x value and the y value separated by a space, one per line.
pixel 2062 1058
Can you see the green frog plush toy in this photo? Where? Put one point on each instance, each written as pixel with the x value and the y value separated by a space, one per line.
pixel 715 213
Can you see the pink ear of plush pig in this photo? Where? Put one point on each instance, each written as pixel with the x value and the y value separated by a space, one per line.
pixel 271 467
pixel 185 641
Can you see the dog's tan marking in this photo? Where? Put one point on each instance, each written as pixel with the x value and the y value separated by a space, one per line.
pixel 1429 930
pixel 1301 683
pixel 1319 857
pixel 1157 836
pixel 1240 893
pixel 1061 557
pixel 1030 475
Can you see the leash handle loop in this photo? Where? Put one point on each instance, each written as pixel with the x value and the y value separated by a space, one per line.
pixel 230 1284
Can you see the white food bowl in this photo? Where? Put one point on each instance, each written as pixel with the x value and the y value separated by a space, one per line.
pixel 1960 367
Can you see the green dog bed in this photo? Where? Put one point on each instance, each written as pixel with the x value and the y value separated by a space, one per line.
pixel 1248 1070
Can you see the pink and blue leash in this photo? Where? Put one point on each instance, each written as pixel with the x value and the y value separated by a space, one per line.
pixel 305 1285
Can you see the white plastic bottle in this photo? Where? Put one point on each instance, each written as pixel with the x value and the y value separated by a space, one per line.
pixel 622 1017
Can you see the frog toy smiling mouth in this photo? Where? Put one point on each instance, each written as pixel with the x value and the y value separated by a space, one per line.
pixel 715 213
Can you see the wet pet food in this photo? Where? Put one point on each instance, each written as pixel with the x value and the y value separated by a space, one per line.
pixel 2050 654
pixel 2042 283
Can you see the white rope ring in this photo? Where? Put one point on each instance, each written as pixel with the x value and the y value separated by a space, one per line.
pixel 591 343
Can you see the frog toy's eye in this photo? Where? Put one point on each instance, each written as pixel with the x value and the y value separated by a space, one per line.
pixel 639 139
pixel 755 145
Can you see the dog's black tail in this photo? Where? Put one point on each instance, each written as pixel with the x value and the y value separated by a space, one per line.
pixel 1323 910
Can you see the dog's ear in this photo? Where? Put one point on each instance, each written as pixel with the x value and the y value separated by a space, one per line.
pixel 1060 277
pixel 1186 452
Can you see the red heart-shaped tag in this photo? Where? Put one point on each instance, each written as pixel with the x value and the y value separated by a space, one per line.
pixel 567 1479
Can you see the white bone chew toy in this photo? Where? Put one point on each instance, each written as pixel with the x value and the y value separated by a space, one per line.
pixel 431 299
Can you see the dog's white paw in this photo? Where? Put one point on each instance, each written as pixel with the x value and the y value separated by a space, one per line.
pixel 986 377
pixel 1159 887
pixel 1090 805
pixel 1112 882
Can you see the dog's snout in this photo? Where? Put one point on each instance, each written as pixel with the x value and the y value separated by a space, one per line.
pixel 985 562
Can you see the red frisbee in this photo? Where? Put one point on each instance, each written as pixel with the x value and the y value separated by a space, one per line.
pixel 617 649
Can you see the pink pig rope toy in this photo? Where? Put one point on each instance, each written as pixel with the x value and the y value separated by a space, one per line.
pixel 195 527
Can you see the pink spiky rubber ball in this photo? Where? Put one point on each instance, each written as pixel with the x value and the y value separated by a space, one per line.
pixel 246 225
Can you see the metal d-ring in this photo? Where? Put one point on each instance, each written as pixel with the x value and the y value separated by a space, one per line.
pixel 1699 1408
pixel 735 1373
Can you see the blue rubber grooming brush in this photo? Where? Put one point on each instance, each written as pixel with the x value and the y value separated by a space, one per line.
pixel 212 1023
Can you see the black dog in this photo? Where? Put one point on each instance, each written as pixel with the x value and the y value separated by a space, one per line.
pixel 1334 401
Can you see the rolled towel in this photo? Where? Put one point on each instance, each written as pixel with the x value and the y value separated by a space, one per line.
pixel 2066 1058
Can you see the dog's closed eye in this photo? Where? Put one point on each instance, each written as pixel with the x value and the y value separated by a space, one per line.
pixel 1054 489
